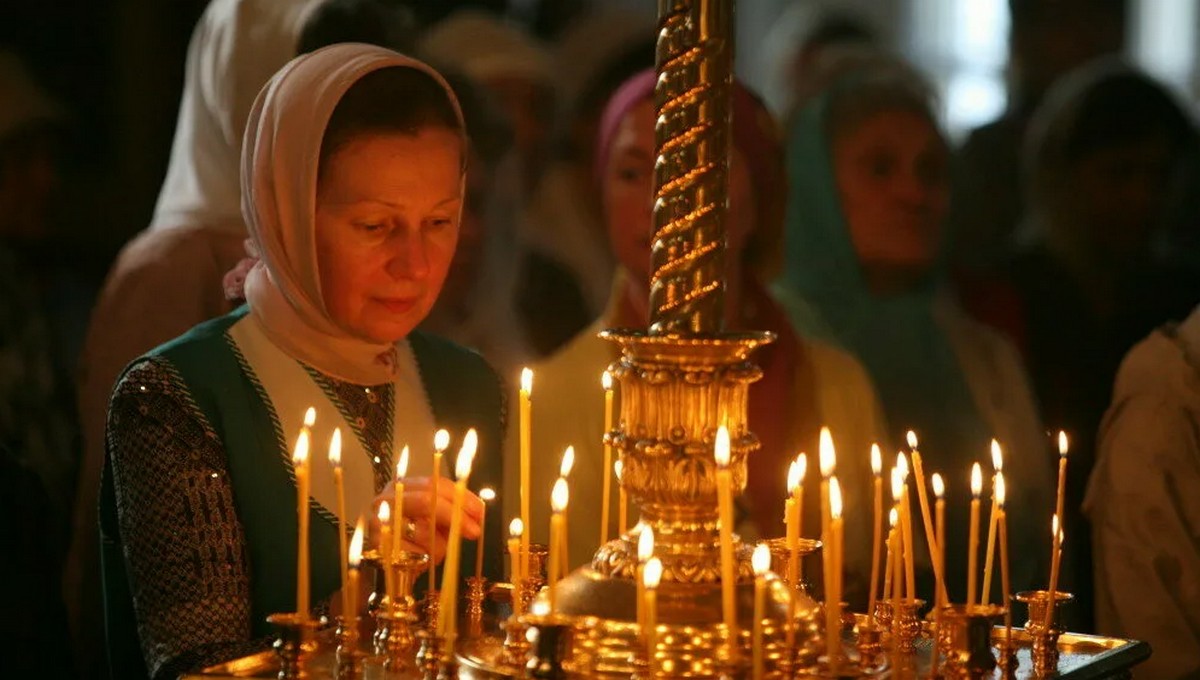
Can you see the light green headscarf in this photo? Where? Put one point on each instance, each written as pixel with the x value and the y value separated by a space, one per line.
pixel 896 337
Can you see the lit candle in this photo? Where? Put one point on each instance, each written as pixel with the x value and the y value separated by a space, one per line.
pixel 1005 584
pixel 990 553
pixel 761 563
pixel 447 621
pixel 1052 595
pixel 354 558
pixel 973 533
pixel 906 527
pixel 1055 546
pixel 487 495
pixel 525 410
pixel 651 576
pixel 623 501
pixel 923 499
pixel 827 458
pixel 877 536
pixel 515 529
pixel 606 383
pixel 385 544
pixel 891 584
pixel 398 502
pixel 721 454
pixel 565 465
pixel 300 466
pixel 441 441
pixel 559 496
pixel 836 531
pixel 792 523
pixel 645 550
pixel 798 496
pixel 897 495
pixel 939 599
pixel 335 459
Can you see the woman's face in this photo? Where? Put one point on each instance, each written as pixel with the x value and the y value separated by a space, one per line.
pixel 387 224
pixel 893 188
pixel 628 194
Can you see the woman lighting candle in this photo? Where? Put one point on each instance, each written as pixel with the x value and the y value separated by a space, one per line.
pixel 448 621
pixel 760 561
pixel 973 534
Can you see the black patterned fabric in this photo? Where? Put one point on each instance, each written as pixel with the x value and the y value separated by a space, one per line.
pixel 369 412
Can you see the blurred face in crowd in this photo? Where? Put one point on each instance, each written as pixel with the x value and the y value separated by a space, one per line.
pixel 527 105
pixel 628 191
pixel 892 182
pixel 28 181
pixel 1118 194
pixel 387 223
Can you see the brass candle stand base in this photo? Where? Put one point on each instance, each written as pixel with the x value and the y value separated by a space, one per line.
pixel 348 656
pixel 780 556
pixel 906 625
pixel 870 648
pixel 549 639
pixel 883 621
pixel 476 594
pixel 965 640
pixel 430 654
pixel 516 644
pixel 535 570
pixel 295 644
pixel 1044 652
pixel 432 609
pixel 393 639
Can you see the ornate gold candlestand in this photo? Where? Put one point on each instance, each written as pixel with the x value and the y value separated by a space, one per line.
pixel 906 625
pixel 535 566
pixel 295 644
pixel 394 640
pixel 349 658
pixel 965 640
pixel 1045 639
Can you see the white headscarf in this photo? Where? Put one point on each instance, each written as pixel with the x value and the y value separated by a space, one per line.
pixel 279 186
pixel 236 47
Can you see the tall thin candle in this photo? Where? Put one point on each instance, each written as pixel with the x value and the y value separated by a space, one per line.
pixel 651 576
pixel 798 496
pixel 606 383
pixel 487 494
pixel 836 530
pixel 1005 584
pixel 525 408
pixel 441 441
pixel 721 454
pixel 385 544
pixel 515 529
pixel 448 619
pixel 760 561
pixel 877 533
pixel 827 457
pixel 1052 593
pixel 353 560
pixel 335 459
pixel 973 533
pixel 894 568
pixel 889 562
pixel 939 599
pixel 398 501
pixel 906 524
pixel 1055 544
pixel 301 467
pixel 990 552
pixel 897 496
pixel 622 499
pixel 645 550
pixel 923 498
pixel 559 497
pixel 565 465
pixel 792 523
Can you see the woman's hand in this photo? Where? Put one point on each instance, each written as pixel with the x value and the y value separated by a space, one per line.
pixel 417 510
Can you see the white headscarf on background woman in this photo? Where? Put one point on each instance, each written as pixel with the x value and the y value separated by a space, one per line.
pixel 236 47
pixel 279 185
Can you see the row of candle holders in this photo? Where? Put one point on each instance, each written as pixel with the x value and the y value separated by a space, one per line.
pixel 406 641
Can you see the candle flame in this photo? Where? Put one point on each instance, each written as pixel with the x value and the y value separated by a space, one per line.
pixel 794 477
pixel 1062 443
pixel 441 440
pixel 300 453
pixel 527 380
pixel 335 448
pixel 939 486
pixel 402 464
pixel 538 608
pixel 568 462
pixel 826 454
pixel 802 464
pixel 997 457
pixel 385 513
pixel 645 546
pixel 559 495
pixel 976 480
pixel 516 527
pixel 618 469
pixel 466 455
pixel 356 545
pixel 897 484
pixel 893 517
pixel 487 494
pixel 721 447
pixel 876 460
pixel 310 417
pixel 1001 492
pixel 760 560
pixel 902 464
pixel 911 438
pixel 652 573
pixel 606 381
pixel 835 498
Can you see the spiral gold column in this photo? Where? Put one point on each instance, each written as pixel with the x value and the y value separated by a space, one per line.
pixel 692 101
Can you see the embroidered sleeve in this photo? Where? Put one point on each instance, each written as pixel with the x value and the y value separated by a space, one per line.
pixel 184 547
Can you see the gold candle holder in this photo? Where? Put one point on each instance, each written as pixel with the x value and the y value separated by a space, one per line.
pixel 394 640
pixel 349 657
pixel 965 640
pixel 869 644
pixel 907 625
pixel 1045 639
pixel 295 644
pixel 516 645
pixel 431 609
pixel 883 620
pixel 780 556
pixel 476 593
pixel 535 570
pixel 430 654
pixel 546 663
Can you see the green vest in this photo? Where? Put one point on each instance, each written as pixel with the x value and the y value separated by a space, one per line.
pixel 463 392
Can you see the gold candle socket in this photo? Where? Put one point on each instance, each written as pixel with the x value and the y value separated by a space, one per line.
pixel 349 657
pixel 1044 652
pixel 780 555
pixel 907 625
pixel 430 653
pixel 965 640
pixel 295 644
pixel 535 570
pixel 394 640
pixel 516 645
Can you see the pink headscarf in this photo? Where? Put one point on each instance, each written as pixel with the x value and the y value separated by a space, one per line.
pixel 279 185
pixel 755 134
